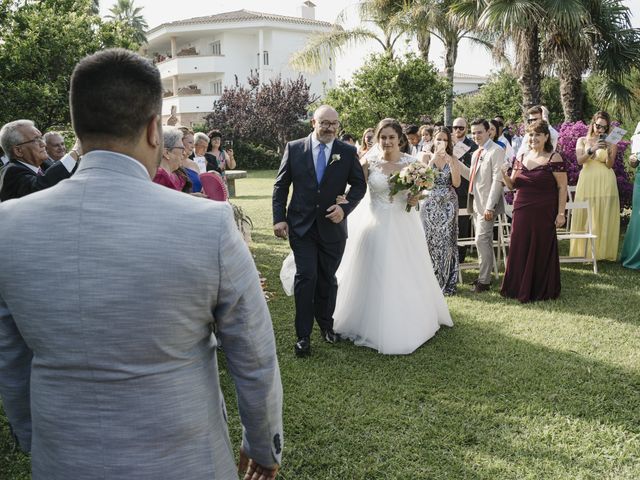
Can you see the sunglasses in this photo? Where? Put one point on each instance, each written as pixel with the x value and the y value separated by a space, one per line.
pixel 456 127
pixel 531 120
pixel 599 126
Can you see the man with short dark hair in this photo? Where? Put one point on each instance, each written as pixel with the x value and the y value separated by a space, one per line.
pixel 485 199
pixel 24 174
pixel 464 147
pixel 533 115
pixel 124 382
pixel 411 131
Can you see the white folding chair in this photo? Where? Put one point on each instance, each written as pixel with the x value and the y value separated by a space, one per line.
pixel 585 234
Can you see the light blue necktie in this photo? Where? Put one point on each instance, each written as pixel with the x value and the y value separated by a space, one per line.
pixel 321 163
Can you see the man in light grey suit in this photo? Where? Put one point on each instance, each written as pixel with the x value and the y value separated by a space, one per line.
pixel 485 199
pixel 114 376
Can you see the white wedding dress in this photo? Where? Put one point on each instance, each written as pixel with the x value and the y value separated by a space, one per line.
pixel 388 296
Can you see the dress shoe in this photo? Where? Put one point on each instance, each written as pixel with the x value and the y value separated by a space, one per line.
pixel 303 347
pixel 329 336
pixel 481 287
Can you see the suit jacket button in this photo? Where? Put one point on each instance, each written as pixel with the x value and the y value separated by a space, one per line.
pixel 318 191
pixel 317 206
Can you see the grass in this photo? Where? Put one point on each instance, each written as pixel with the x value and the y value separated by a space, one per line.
pixel 548 390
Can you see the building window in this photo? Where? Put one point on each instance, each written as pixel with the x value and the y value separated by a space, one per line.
pixel 265 58
pixel 216 87
pixel 215 48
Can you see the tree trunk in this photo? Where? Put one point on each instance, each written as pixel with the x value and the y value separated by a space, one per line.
pixel 451 55
pixel 570 92
pixel 528 66
pixel 424 44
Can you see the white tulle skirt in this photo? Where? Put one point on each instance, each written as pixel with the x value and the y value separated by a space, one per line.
pixel 388 296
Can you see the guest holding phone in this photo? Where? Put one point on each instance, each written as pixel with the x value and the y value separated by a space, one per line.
pixel 223 155
pixel 597 185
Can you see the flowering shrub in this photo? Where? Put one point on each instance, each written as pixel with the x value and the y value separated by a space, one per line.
pixel 569 134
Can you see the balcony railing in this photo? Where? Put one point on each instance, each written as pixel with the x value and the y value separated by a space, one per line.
pixel 189 103
pixel 192 64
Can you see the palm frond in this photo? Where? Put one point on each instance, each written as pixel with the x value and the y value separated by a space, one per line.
pixel 321 47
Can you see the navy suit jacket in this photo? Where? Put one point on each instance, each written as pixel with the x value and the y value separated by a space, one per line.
pixel 18 180
pixel 310 201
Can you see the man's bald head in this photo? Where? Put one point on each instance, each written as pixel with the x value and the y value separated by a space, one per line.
pixel 325 123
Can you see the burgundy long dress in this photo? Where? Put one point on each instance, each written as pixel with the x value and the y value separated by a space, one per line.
pixel 533 265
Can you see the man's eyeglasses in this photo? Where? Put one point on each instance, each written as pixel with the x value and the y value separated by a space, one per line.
pixel 599 126
pixel 458 127
pixel 176 147
pixel 326 124
pixel 33 140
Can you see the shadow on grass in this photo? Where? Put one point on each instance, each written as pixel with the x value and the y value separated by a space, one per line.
pixel 471 403
pixel 615 287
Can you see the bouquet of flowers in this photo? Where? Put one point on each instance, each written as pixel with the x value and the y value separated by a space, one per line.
pixel 415 177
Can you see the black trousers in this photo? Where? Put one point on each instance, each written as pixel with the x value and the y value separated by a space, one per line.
pixel 315 287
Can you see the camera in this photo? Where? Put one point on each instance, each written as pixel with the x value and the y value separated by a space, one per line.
pixel 228 144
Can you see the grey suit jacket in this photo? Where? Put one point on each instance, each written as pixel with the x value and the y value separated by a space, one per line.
pixel 124 381
pixel 487 184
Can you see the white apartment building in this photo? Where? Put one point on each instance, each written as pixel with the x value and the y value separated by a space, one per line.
pixel 198 57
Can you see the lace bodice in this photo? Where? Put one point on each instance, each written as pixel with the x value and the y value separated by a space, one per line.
pixel 378 181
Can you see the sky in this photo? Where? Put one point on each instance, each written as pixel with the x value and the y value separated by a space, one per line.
pixel 471 59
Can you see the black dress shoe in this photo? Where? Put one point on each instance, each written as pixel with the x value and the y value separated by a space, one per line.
pixel 303 347
pixel 329 336
pixel 481 287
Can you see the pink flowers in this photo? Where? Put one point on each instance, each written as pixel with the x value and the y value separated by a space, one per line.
pixel 415 177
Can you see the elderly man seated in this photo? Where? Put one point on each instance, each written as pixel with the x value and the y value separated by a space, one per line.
pixel 25 147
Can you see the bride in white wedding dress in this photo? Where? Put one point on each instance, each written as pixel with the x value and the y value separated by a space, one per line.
pixel 388 296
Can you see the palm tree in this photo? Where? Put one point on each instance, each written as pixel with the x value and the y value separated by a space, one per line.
pixel 327 45
pixel 523 22
pixel 607 44
pixel 435 17
pixel 95 7
pixel 124 11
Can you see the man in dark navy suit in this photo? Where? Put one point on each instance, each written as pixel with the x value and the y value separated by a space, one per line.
pixel 319 167
pixel 25 148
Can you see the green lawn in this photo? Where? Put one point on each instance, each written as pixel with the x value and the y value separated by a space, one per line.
pixel 542 391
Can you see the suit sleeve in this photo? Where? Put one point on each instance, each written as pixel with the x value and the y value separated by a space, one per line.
pixel 497 160
pixel 357 183
pixel 15 375
pixel 27 183
pixel 281 188
pixel 246 332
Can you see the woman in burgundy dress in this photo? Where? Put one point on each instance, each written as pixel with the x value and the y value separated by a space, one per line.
pixel 540 180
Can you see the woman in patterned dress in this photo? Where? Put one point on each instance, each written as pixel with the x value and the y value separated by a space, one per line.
pixel 439 211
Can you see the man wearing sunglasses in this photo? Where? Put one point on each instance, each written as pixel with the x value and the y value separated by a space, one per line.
pixel 25 148
pixel 534 114
pixel 459 130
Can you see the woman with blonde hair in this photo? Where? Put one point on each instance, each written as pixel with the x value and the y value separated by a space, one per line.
pixel 597 184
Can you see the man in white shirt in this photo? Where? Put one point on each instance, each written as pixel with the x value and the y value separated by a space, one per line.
pixel 534 114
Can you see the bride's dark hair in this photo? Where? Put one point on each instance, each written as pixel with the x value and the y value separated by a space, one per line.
pixel 389 122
